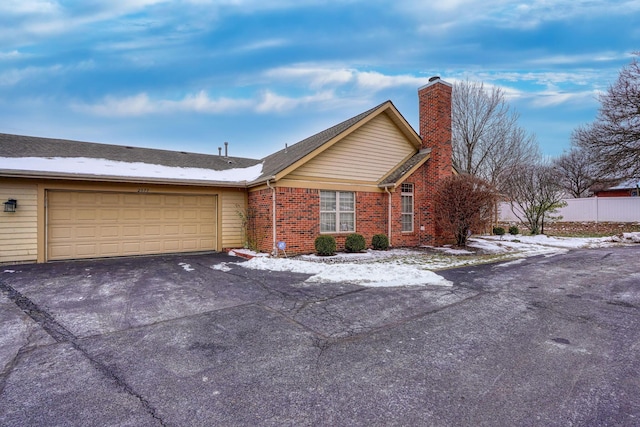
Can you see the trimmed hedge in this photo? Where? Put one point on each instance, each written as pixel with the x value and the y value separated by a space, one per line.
pixel 325 245
pixel 354 243
pixel 380 242
pixel 498 231
pixel 514 230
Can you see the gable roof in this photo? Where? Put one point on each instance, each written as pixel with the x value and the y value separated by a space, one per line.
pixel 308 148
pixel 406 169
pixel 48 157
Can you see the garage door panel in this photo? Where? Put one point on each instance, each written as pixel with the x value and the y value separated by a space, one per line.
pixel 106 199
pixel 207 229
pixel 188 229
pixel 171 230
pixel 86 249
pixel 87 198
pixel 109 214
pixel 86 232
pixel 131 199
pixel 190 245
pixel 153 214
pixel 109 249
pixel 170 214
pixel 113 231
pixel 171 245
pixel 89 225
pixel 131 231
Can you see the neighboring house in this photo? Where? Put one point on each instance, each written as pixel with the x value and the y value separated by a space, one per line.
pixel 629 188
pixel 371 174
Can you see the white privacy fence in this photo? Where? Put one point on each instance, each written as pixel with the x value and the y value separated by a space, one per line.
pixel 591 209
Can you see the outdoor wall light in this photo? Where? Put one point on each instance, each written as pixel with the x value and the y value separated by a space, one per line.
pixel 10 205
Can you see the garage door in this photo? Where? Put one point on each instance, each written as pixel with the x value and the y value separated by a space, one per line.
pixel 92 225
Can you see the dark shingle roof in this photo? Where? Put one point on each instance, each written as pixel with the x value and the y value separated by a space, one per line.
pixel 30 146
pixel 401 170
pixel 282 159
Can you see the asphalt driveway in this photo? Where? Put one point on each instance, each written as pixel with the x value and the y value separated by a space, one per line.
pixel 170 341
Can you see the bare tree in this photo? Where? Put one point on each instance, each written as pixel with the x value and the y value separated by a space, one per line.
pixel 486 137
pixel 577 172
pixel 614 136
pixel 534 193
pixel 464 203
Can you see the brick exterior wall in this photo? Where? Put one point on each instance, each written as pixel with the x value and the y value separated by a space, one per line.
pixel 298 209
pixel 435 131
pixel 259 220
pixel 298 218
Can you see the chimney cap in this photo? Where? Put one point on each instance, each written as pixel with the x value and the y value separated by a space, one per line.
pixel 434 81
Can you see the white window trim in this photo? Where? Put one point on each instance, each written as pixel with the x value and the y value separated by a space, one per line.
pixel 337 212
pixel 413 208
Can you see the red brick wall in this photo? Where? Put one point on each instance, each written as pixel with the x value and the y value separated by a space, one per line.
pixel 298 218
pixel 259 220
pixel 435 130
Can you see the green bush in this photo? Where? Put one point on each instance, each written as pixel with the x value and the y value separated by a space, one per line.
pixel 380 242
pixel 498 231
pixel 325 245
pixel 514 230
pixel 354 243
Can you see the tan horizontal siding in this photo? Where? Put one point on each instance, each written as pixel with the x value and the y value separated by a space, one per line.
pixel 234 206
pixel 365 156
pixel 18 230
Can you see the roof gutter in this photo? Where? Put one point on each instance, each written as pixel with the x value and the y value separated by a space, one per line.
pixel 274 250
pixel 9 173
pixel 386 189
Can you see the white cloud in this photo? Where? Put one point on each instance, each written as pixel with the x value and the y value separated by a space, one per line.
pixel 14 54
pixel 434 17
pixel 319 76
pixel 15 76
pixel 141 104
pixel 272 102
pixel 29 7
pixel 311 75
pixel 550 98
pixel 264 44
pixel 372 80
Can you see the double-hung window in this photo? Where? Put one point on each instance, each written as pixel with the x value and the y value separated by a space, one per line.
pixel 337 211
pixel 406 195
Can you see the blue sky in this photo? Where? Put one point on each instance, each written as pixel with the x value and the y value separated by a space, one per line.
pixel 190 74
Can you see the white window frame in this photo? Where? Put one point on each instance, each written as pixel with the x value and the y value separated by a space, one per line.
pixel 407 190
pixel 337 212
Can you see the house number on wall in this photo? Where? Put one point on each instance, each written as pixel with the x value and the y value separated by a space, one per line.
pixel 143 190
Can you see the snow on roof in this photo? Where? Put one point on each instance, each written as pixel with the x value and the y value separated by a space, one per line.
pixel 104 167
pixel 632 183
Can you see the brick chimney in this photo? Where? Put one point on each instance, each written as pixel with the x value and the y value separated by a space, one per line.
pixel 435 130
pixel 435 125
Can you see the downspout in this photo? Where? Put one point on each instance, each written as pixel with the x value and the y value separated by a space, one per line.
pixel 273 219
pixel 386 189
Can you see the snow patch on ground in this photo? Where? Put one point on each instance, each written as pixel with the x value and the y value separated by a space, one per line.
pixel 222 267
pixel 414 267
pixel 366 274
pixel 627 238
pixel 187 267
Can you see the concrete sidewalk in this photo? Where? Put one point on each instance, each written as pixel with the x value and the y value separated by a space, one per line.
pixel 171 341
